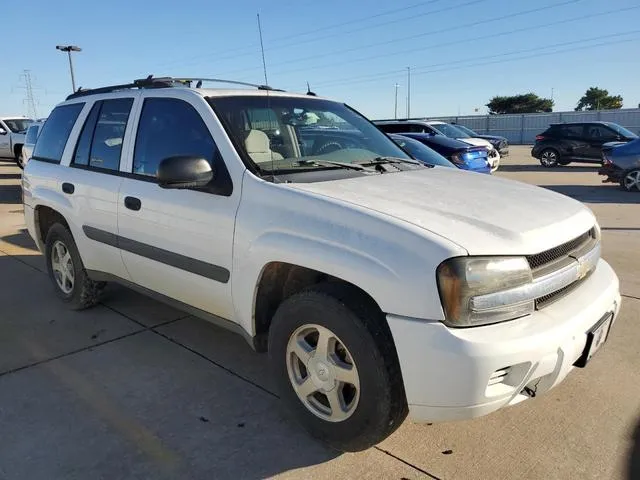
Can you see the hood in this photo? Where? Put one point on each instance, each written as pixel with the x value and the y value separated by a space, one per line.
pixel 483 214
pixel 478 142
pixel 493 137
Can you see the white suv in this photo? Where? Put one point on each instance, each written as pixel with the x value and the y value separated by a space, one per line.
pixel 378 286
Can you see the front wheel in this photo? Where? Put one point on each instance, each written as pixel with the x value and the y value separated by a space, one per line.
pixel 631 180
pixel 549 158
pixel 336 367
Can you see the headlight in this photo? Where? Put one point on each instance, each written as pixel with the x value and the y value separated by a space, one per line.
pixel 464 283
pixel 456 159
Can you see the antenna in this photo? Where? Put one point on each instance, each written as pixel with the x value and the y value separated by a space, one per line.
pixel 309 92
pixel 264 63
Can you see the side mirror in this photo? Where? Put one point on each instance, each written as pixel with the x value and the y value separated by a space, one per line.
pixel 183 172
pixel 2 131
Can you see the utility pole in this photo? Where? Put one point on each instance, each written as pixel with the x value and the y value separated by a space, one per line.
pixel 69 49
pixel 395 105
pixel 408 92
pixel 30 99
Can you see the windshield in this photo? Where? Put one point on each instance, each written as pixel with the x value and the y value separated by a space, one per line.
pixel 421 152
pixel 18 125
pixel 466 130
pixel 449 130
pixel 622 131
pixel 284 134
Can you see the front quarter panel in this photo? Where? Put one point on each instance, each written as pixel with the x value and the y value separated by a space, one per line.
pixel 392 261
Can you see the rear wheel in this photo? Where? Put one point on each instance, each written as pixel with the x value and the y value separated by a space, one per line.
pixel 18 156
pixel 631 180
pixel 336 368
pixel 549 158
pixel 67 272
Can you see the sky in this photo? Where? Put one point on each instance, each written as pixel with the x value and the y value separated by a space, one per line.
pixel 461 52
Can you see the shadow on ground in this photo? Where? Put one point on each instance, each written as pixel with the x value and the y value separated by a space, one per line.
pixel 21 239
pixel 10 194
pixel 540 168
pixel 596 193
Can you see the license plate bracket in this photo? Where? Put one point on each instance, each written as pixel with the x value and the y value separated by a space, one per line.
pixel 596 337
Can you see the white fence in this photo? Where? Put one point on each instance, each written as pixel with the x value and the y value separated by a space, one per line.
pixel 522 129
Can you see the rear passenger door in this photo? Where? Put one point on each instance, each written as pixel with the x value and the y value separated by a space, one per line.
pixel 93 181
pixel 179 242
pixel 596 136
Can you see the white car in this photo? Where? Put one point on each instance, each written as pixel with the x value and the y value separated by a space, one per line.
pixel 29 142
pixel 379 286
pixel 12 134
pixel 441 128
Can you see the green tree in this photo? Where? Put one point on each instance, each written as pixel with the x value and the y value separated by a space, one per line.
pixel 599 99
pixel 523 103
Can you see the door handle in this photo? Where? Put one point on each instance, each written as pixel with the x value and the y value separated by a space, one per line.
pixel 68 188
pixel 132 203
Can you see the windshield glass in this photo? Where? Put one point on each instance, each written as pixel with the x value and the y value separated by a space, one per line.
pixel 283 134
pixel 421 152
pixel 18 125
pixel 622 131
pixel 449 130
pixel 466 130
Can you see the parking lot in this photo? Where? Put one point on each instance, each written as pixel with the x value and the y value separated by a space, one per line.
pixel 135 389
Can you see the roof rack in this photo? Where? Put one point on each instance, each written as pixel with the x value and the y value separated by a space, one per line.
pixel 163 82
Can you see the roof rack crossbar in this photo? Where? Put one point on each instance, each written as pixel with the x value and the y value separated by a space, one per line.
pixel 164 82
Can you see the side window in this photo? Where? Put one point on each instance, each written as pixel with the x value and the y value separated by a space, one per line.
pixel 169 127
pixel 599 132
pixel 83 147
pixel 393 128
pixel 55 132
pixel 100 143
pixel 572 131
pixel 32 135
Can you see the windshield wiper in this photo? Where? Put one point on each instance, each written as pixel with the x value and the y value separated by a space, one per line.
pixel 331 163
pixel 381 160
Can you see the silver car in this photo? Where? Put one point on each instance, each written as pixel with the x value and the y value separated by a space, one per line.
pixel 29 142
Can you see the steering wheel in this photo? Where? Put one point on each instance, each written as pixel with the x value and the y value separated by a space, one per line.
pixel 328 147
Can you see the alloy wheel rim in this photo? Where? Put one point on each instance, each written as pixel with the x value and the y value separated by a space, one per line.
pixel 632 179
pixel 62 266
pixel 549 158
pixel 322 373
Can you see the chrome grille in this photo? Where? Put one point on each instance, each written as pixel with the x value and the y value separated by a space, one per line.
pixel 542 259
pixel 547 300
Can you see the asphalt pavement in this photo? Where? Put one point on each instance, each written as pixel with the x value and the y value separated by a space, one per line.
pixel 132 389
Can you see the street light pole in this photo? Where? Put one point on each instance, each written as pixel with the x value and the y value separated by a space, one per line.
pixel 395 106
pixel 69 49
pixel 408 92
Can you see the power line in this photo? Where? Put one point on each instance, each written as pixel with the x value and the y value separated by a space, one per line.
pixel 541 54
pixel 350 31
pixel 454 42
pixel 371 45
pixel 420 35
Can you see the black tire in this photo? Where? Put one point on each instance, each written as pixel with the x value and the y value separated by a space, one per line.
pixel 625 185
pixel 18 156
pixel 85 292
pixel 549 158
pixel 362 328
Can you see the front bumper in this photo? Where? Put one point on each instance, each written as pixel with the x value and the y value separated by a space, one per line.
pixel 613 173
pixel 450 374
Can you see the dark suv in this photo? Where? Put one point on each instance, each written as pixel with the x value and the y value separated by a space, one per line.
pixel 563 143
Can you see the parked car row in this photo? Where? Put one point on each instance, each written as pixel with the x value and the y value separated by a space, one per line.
pixel 614 147
pixel 446 139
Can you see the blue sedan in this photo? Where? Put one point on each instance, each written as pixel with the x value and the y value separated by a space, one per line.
pixel 459 154
pixel 621 164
